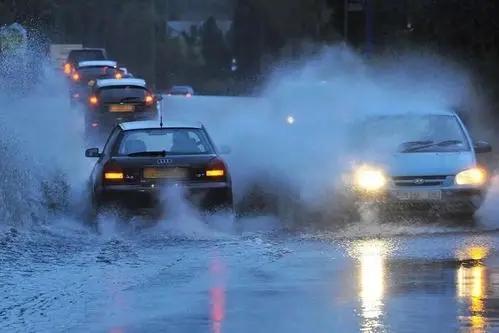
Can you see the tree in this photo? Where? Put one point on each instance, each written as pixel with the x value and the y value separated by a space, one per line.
pixel 213 48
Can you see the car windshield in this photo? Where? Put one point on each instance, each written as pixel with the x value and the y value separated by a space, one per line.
pixel 180 90
pixel 86 55
pixel 97 71
pixel 410 133
pixel 117 93
pixel 172 141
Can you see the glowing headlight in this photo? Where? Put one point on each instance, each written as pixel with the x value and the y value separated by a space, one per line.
pixel 370 179
pixel 473 176
pixel 290 120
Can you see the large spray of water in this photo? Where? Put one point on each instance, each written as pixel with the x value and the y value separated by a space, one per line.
pixel 294 165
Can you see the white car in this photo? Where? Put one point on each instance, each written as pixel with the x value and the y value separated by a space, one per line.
pixel 414 161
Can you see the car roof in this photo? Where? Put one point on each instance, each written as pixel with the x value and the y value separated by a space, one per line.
pixel 121 82
pixel 89 63
pixel 156 124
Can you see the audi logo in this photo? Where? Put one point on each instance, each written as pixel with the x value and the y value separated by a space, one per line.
pixel 419 181
pixel 164 161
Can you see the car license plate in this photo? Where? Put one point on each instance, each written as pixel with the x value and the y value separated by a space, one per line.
pixel 121 108
pixel 419 195
pixel 165 173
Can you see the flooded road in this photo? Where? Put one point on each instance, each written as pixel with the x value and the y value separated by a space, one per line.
pixel 211 282
pixel 181 276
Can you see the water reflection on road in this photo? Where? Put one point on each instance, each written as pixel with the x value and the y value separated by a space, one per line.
pixel 398 294
pixel 285 284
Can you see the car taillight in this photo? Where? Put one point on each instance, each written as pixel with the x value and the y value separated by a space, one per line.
pixel 93 100
pixel 113 173
pixel 149 99
pixel 216 169
pixel 75 77
pixel 67 69
pixel 118 76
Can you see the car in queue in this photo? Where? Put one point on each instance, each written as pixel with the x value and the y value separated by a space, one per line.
pixel 186 91
pixel 85 54
pixel 416 162
pixel 126 73
pixel 116 100
pixel 142 158
pixel 85 75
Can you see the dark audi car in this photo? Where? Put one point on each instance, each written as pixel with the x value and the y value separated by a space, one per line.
pixel 142 158
pixel 117 100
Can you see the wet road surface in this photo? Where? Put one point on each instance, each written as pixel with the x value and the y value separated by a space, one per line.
pixel 182 277
pixel 70 280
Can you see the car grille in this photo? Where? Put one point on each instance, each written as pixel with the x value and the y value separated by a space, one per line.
pixel 419 180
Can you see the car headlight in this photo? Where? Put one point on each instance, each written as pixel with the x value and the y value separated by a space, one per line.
pixel 370 179
pixel 474 176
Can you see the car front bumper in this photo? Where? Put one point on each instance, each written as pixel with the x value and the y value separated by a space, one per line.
pixel 449 199
pixel 206 196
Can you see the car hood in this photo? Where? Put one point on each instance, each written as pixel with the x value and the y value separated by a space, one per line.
pixel 426 163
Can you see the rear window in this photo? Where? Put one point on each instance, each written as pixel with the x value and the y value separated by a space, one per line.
pixel 86 55
pixel 175 141
pixel 97 71
pixel 118 93
pixel 180 90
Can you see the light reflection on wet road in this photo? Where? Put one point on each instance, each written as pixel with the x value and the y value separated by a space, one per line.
pixel 425 283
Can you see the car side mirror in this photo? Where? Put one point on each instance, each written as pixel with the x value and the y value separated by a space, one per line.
pixel 92 153
pixel 224 149
pixel 482 147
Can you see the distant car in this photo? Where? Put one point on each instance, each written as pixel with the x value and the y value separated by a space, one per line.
pixel 79 55
pixel 416 162
pixel 115 100
pixel 141 158
pixel 181 91
pixel 126 73
pixel 85 75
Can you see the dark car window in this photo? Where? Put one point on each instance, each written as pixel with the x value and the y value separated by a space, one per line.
pixel 117 93
pixel 85 55
pixel 97 71
pixel 175 141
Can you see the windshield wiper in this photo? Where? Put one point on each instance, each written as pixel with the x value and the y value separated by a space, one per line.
pixel 444 143
pixel 130 99
pixel 161 153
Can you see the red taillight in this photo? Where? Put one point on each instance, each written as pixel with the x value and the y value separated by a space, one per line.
pixel 118 75
pixel 75 77
pixel 93 100
pixel 112 173
pixel 149 99
pixel 216 169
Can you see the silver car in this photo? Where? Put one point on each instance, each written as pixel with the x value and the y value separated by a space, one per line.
pixel 415 161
